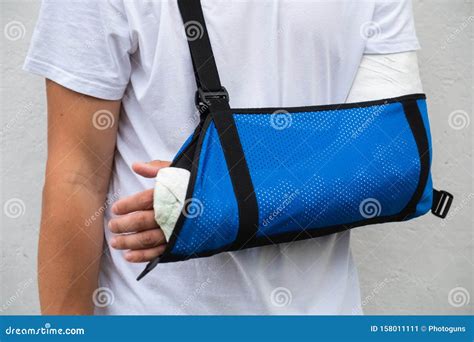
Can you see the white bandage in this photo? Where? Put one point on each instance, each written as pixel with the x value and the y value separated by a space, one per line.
pixel 386 76
pixel 169 195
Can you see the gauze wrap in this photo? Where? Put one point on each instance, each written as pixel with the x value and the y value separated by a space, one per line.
pixel 170 191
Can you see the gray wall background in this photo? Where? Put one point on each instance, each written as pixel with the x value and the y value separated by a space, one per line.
pixel 421 267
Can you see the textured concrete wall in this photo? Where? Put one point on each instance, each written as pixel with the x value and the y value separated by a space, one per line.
pixel 421 267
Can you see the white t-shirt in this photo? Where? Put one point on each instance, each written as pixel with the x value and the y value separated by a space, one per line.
pixel 269 53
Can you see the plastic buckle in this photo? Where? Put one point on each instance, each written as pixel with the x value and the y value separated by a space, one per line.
pixel 442 203
pixel 203 99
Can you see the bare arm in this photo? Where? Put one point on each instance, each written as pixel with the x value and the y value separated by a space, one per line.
pixel 81 141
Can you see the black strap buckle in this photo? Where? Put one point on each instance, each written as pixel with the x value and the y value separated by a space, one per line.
pixel 203 99
pixel 442 201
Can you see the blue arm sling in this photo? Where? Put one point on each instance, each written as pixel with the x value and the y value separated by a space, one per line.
pixel 264 176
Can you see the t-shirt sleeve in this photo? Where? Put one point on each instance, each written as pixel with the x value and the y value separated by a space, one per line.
pixel 392 28
pixel 85 46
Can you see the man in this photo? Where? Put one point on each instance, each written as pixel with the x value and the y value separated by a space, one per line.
pixel 120 89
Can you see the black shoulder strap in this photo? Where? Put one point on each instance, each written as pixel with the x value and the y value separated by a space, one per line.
pixel 212 98
pixel 210 95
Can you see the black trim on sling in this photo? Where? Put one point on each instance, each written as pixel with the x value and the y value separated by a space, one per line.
pixel 185 159
pixel 442 200
pixel 240 177
pixel 415 120
pixel 329 107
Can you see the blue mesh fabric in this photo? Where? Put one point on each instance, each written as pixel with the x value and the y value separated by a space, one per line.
pixel 310 170
pixel 212 214
pixel 317 169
